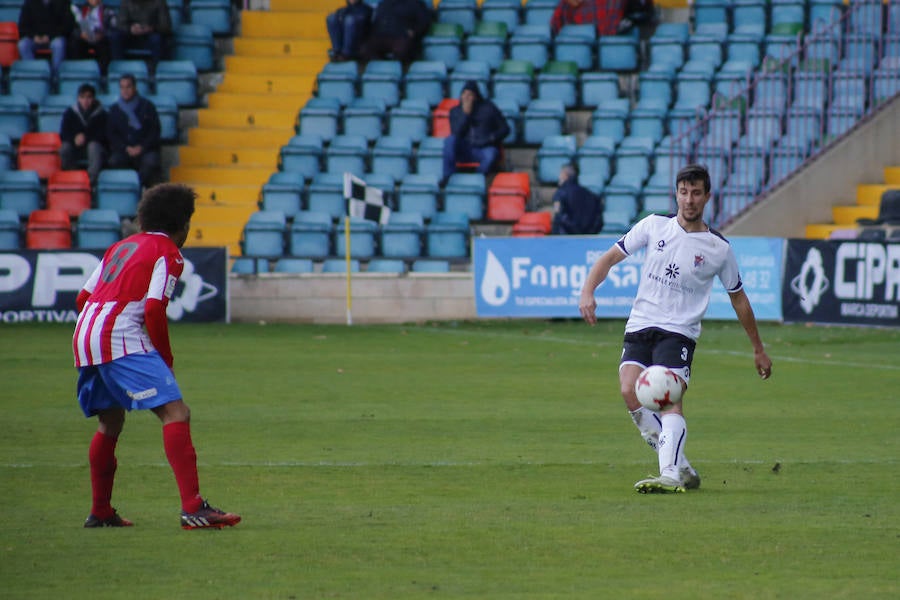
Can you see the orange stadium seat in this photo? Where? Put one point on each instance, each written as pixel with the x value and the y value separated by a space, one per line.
pixel 39 151
pixel 69 191
pixel 48 229
pixel 508 195
pixel 533 224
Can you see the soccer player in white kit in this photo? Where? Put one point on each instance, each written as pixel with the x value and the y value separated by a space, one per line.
pixel 683 255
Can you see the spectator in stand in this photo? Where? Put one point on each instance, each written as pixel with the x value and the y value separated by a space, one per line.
pixel 347 27
pixel 143 24
pixel 132 128
pixel 398 27
pixel 90 38
pixel 45 25
pixel 605 14
pixel 83 133
pixel 576 209
pixel 477 130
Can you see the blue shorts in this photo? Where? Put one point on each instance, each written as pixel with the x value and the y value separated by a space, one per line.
pixel 136 381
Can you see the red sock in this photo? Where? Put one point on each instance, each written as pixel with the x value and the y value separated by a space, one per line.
pixel 102 458
pixel 183 458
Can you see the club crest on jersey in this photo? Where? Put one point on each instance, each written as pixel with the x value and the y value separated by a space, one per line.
pixel 699 261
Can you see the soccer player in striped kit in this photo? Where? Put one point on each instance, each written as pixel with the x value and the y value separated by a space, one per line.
pixel 124 359
pixel 683 257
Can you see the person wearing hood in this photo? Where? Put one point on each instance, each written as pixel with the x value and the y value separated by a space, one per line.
pixel 477 130
pixel 133 131
pixel 577 210
pixel 83 133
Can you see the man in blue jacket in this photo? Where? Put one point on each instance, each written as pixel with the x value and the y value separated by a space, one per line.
pixel 82 132
pixel 477 130
pixel 132 128
pixel 577 210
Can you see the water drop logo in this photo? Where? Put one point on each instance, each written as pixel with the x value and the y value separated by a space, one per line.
pixel 495 282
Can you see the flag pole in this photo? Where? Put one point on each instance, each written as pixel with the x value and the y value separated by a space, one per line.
pixel 347 257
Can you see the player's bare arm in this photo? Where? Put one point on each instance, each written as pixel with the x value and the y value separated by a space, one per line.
pixel 741 304
pixel 600 269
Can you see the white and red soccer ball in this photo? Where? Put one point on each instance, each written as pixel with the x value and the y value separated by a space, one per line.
pixel 658 388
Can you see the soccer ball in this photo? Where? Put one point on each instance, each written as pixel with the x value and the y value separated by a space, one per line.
pixel 658 388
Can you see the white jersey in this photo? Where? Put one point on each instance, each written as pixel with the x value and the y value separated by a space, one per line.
pixel 677 276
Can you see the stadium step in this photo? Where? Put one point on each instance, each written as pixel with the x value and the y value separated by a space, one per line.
pixel 324 6
pixel 247 119
pixel 219 214
pixel 281 47
pixel 201 156
pixel 892 175
pixel 216 234
pixel 234 101
pixel 821 231
pixel 274 65
pixel 847 215
pixel 233 138
pixel 223 195
pixel 267 84
pixel 282 24
pixel 222 175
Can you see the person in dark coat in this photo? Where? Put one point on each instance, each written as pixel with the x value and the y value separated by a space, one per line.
pixel 133 129
pixel 477 131
pixel 83 133
pixel 577 210
pixel 45 24
pixel 398 27
pixel 347 27
pixel 141 24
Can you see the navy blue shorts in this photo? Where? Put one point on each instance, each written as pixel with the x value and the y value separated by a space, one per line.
pixel 653 346
pixel 136 381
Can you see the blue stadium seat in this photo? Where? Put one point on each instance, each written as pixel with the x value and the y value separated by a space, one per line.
pixel 510 109
pixel 659 203
pixel 424 265
pixel 658 85
pixel 748 167
pixel 386 265
pixel 785 159
pixel 362 238
pixel 745 47
pixel 734 198
pixel 339 265
pixel 823 13
pixel 447 236
pixel 514 79
pixel 805 125
pixel 559 80
pixel 177 78
pixel 338 80
pixel 263 235
pixel 781 48
pixel 771 92
pixel 10 230
pixel 419 194
pixel 542 118
pixel 554 152
pixel 477 70
pixel 73 73
pixel 530 42
pixel 167 111
pixel 364 117
pixel 810 90
pixel 347 154
pixel 505 11
pixel 750 17
pixel 283 191
pixel 623 204
pixel 119 190
pixel 707 47
pixel 577 43
pixel 97 228
pixel 401 237
pixel 195 42
pixel 381 79
pixel 692 90
pixel 539 12
pixel 598 86
pixel 866 16
pixel 7 153
pixel 31 79
pixel 596 182
pixel 443 44
pixel 610 117
pixel 310 234
pixel 849 89
pixel 788 12
pixel 595 157
pixel 763 127
pixel 289 264
pixel 465 193
pixel 326 194
pixel 647 121
pixel 50 111
pixel 618 53
pixel 391 156
pixel 410 118
pixel 860 52
pixel 302 155
pixel 120 67
pixel 487 43
pixel 461 12
pixel 841 120
pixel 215 14
pixel 426 80
pixel 429 157
pixel 244 265
pixel 711 11
pixel 668 43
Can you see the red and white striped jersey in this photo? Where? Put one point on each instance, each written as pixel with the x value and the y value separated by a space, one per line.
pixel 111 324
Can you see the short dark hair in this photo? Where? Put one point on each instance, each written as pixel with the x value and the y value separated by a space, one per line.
pixel 166 207
pixel 571 169
pixel 87 88
pixel 692 174
pixel 130 77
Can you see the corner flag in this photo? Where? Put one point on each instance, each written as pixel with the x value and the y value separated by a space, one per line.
pixel 364 201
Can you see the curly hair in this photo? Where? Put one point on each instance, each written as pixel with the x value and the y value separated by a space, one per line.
pixel 166 207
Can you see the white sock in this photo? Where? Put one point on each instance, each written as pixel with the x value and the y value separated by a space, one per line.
pixel 648 424
pixel 671 445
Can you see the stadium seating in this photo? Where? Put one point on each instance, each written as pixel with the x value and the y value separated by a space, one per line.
pixel 10 230
pixel 514 79
pixel 7 153
pixel 319 116
pixel 419 194
pixel 9 40
pixel 284 192
pixel 326 194
pixel 465 193
pixel 554 152
pixel 386 265
pixel 533 224
pixel 249 266
pixel 118 190
pixel 443 44
pixel 576 43
pixel 215 14
pixel 20 191
pixel 73 73
pixel 339 265
pixel 30 78
pixel 135 67
pixel 559 79
pixel 391 156
pixel 338 80
pixel 401 236
pixel 364 117
pixel 289 264
pixel 39 151
pixel 48 229
pixel 302 155
pixel 347 154
pixel 430 266
pixel 381 79
pixel 531 42
pixel 508 12
pixel 177 78
pixel 263 235
pixel 194 42
pixel 97 228
pixel 508 196
pixel 410 118
pixel 363 235
pixel 69 191
pixel 447 236
pixel 542 118
pixel 429 157
pixel 310 235
pixel 425 80
pixel 487 43
pixel 15 115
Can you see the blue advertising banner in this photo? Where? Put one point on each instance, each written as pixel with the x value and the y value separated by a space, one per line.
pixel 41 286
pixel 542 277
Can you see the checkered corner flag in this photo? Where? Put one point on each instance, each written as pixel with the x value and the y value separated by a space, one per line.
pixel 364 201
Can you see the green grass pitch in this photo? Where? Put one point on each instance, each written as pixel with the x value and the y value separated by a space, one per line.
pixel 462 460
